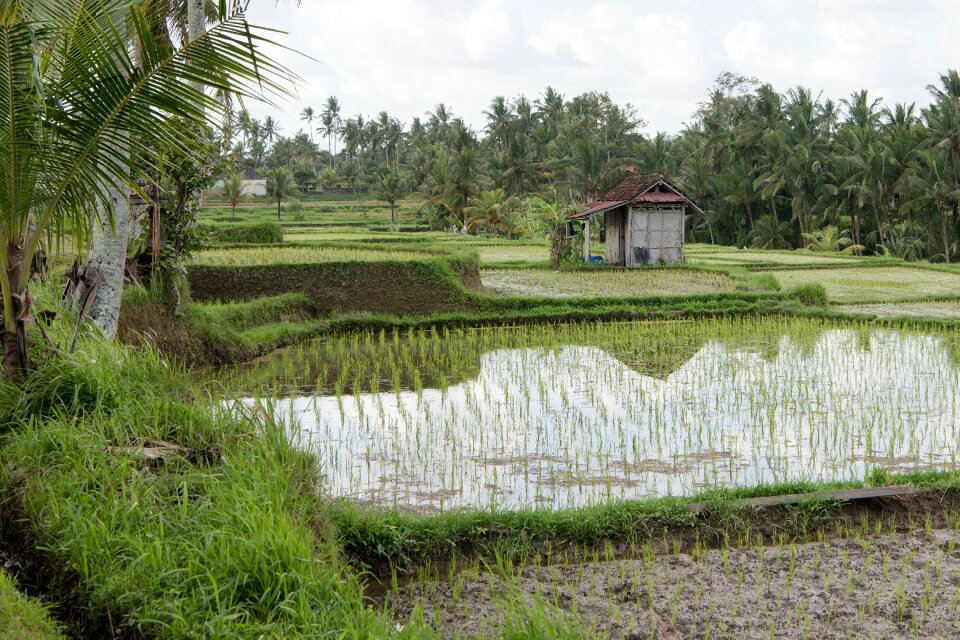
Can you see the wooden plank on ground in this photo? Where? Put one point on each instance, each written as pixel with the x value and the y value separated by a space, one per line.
pixel 796 498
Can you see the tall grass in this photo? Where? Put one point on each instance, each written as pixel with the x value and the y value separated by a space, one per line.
pixel 208 542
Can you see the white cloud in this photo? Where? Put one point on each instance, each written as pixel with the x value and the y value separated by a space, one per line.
pixel 404 56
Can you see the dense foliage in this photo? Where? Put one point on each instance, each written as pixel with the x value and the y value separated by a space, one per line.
pixel 771 169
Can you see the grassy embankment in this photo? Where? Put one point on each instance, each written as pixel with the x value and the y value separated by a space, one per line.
pixel 21 617
pixel 390 543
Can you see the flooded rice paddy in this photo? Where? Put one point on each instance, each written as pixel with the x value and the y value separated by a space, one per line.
pixel 571 415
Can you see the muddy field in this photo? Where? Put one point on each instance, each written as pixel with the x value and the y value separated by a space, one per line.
pixel 878 586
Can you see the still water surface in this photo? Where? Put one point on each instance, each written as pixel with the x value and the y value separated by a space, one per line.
pixel 573 425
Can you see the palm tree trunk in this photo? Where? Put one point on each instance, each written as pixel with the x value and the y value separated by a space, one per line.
pixel 15 363
pixel 856 225
pixel 108 252
pixel 944 234
pixel 876 222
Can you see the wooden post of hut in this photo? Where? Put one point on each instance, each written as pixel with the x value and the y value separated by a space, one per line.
pixel 586 240
pixel 643 222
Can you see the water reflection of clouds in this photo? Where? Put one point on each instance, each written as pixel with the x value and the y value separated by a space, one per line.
pixel 574 425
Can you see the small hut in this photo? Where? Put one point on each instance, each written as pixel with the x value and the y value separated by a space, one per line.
pixel 643 222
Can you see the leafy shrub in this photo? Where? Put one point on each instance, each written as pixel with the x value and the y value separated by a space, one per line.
pixel 293 206
pixel 812 294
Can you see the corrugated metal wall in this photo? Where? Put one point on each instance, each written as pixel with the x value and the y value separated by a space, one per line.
pixel 656 235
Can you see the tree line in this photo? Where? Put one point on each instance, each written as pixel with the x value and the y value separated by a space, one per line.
pixel 770 169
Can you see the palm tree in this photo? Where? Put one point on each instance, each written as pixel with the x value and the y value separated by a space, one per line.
pixel 555 215
pixel 831 239
pixel 550 108
pixel 499 119
pixel 494 211
pixel 280 184
pixel 70 93
pixel 770 233
pixel 330 118
pixel 943 123
pixel 390 190
pixel 232 191
pixel 933 189
pixel 245 122
pixel 463 185
pixel 307 115
pixel 271 128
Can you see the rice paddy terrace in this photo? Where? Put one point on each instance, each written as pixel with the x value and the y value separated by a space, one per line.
pixel 573 415
pixel 523 437
pixel 561 416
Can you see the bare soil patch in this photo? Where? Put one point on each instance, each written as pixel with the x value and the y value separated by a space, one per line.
pixel 884 585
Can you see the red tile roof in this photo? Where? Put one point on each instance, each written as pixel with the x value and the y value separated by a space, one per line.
pixel 633 187
pixel 636 189
pixel 594 208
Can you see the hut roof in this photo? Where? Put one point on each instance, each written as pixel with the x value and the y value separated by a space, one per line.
pixel 637 189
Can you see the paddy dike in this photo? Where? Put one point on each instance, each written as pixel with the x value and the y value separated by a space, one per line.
pixel 874 586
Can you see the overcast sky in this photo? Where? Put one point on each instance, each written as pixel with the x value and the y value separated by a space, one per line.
pixel 405 56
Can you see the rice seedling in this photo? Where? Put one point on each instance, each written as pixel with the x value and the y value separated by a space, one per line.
pixel 940 309
pixel 586 413
pixel 830 588
pixel 707 254
pixel 605 283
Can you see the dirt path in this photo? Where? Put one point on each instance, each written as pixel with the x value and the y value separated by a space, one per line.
pixel 879 586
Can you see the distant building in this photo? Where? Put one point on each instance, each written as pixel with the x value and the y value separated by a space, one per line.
pixel 643 222
pixel 257 187
pixel 254 187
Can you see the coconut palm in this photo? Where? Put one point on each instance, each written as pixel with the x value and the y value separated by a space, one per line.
pixel 232 191
pixel 308 116
pixel 831 239
pixel 280 184
pixel 390 190
pixel 463 184
pixel 271 128
pixel 494 211
pixel 499 119
pixel 330 119
pixel 554 213
pixel 70 93
pixel 770 233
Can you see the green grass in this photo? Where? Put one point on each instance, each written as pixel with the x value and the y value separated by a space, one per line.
pixel 875 284
pixel 386 541
pixel 507 253
pixel 23 618
pixel 210 543
pixel 297 255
